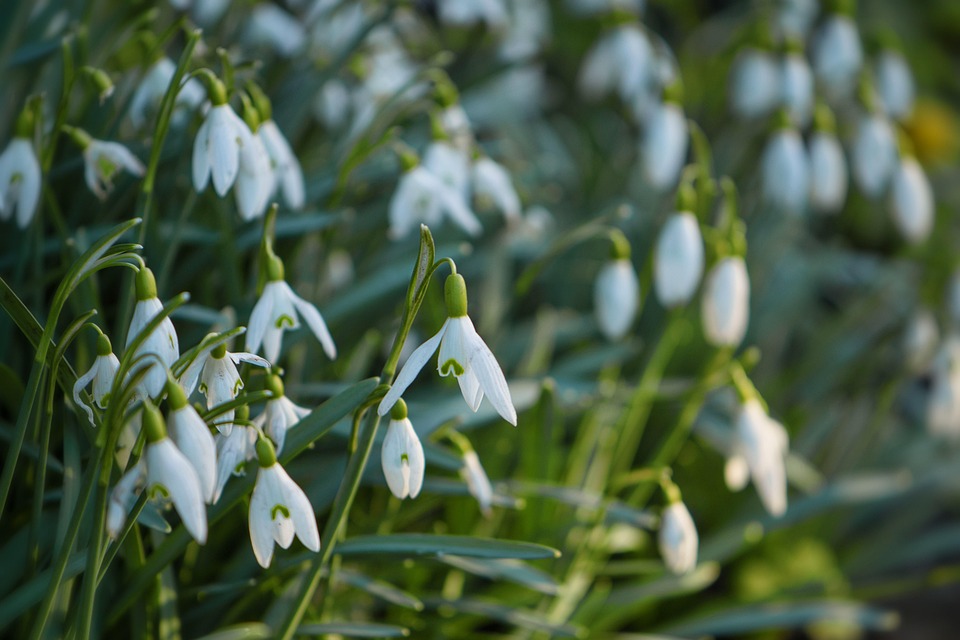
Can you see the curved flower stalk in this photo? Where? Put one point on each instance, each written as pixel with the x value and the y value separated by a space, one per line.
pixel 20 174
pixel 838 54
pixel 664 144
pixel 911 201
pixel 192 436
pixel 279 414
pixel 492 182
pixel 277 310
pixel 621 61
pixel 678 540
pixel 154 85
pixel 279 509
pixel 678 260
pixel 463 353
pixel 754 82
pixel 828 167
pixel 162 344
pixel 101 374
pixel 784 163
pixel 760 447
pixel 874 155
pixel 725 307
pixel 422 197
pixel 402 455
pixel 616 292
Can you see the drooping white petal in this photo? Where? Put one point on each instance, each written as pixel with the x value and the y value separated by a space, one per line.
pixel 107 367
pixel 763 443
pixel 450 164
pixel 200 166
pixel 785 183
pixel 828 173
pixel 249 358
pixel 664 146
pixel 678 539
pixel 162 343
pixel 484 366
pixel 122 499
pixel 255 178
pixel 837 55
pixel 301 511
pixel 874 154
pixel 678 262
pixel 260 522
pixel 410 369
pixel 233 451
pixel 274 494
pixel 477 481
pixel 289 175
pixel 79 386
pixel 911 201
pixel 894 82
pixel 797 88
pixel 193 438
pixel 754 80
pixel 226 136
pixel 169 469
pixel 315 321
pixel 725 308
pixel 491 180
pixel 616 298
pixel 259 319
pixel 471 389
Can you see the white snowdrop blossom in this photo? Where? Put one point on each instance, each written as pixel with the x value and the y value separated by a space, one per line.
pixel 463 353
pixel 217 147
pixel 894 83
pixel 103 160
pixel 678 260
pixel 278 509
pixel 101 374
pixel 277 311
pixel 621 61
pixel 450 164
pixel 154 86
pixel 287 174
pixel 795 17
pixel 784 163
pixel 192 436
pixel 761 445
pixel 331 106
pixel 943 402
pixel 279 413
pixel 911 201
pixel 19 181
pixel 616 297
pixel 797 88
pixel 422 197
pixel 255 179
pixel 456 125
pixel 920 340
pixel 220 381
pixel 233 451
pixel 460 13
pixel 271 26
pixel 123 497
pixel 838 55
pixel 874 156
pixel 492 182
pixel 171 476
pixel 678 539
pixel 478 484
pixel 725 307
pixel 402 455
pixel 162 344
pixel 827 173
pixel 664 145
pixel 754 83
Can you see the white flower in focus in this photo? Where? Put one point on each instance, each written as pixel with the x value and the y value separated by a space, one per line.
pixel 421 197
pixel 101 374
pixel 874 155
pixel 275 312
pixel 664 146
pixel 279 413
pixel 103 160
pixel 19 181
pixel 216 149
pixel 761 442
pixel 621 61
pixel 220 381
pixel 894 83
pixel 467 12
pixel 278 509
pixel 838 55
pixel 154 86
pixel 463 353
pixel 911 201
pixel 192 436
pixel 255 178
pixel 288 176
pixel 678 261
pixel 797 87
pixel 616 297
pixel 784 163
pixel 271 26
pixel 678 539
pixel 123 497
pixel 478 484
pixel 162 343
pixel 233 451
pixel 827 173
pixel 754 83
pixel 402 455
pixel 492 182
pixel 725 306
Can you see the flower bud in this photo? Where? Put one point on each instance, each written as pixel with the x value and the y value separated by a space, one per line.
pixel 911 201
pixel 678 539
pixel 678 263
pixel 725 309
pixel 785 172
pixel 616 298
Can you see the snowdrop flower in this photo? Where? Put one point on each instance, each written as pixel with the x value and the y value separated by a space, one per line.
pixel 920 340
pixel 170 476
pixel 450 164
pixel 943 403
pixel 492 182
pixel 287 173
pixel 219 142
pixel 797 86
pixel 460 13
pixel 162 344
pixel 279 414
pixel 911 201
pixel 678 260
pixel 101 374
pixel 874 156
pixel 402 455
pixel 761 445
pixel 276 311
pixel 754 82
pixel 616 292
pixel 154 86
pixel 838 54
pixel 278 509
pixel 463 353
pixel 422 197
pixel 220 381
pixel 828 166
pixel 123 497
pixel 456 126
pixel 103 160
pixel 894 81
pixel 255 181
pixel 784 164
pixel 678 539
pixel 234 450
pixel 478 484
pixel 725 308
pixel 664 144
pixel 332 104
pixel 271 26
pixel 795 17
pixel 20 177
pixel 621 61
pixel 193 438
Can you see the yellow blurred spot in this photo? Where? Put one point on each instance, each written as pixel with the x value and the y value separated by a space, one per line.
pixel 933 132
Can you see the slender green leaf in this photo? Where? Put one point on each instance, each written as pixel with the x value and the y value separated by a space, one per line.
pixel 425 544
